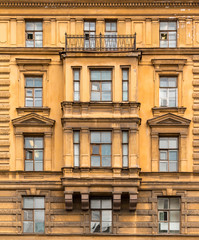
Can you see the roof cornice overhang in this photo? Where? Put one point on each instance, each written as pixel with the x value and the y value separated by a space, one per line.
pixel 97 3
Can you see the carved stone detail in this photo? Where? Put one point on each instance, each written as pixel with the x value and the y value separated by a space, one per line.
pixel 69 201
pixel 116 201
pixel 132 201
pixel 85 201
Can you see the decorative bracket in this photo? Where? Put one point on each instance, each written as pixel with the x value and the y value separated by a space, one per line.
pixel 85 201
pixel 69 201
pixel 117 201
pixel 132 201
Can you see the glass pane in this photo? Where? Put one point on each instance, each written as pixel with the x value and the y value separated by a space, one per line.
pixel 95 227
pixel 163 25
pixel 86 26
pixel 163 166
pixel 30 26
pixel 172 82
pixel 38 155
pixel 163 216
pixel 38 43
pixel 163 227
pixel 39 227
pixel 163 143
pixel 95 203
pixel 125 149
pixel 28 215
pixel 28 202
pixel 163 203
pixel 124 96
pixel 38 142
pixel 38 102
pixel 173 166
pixel 164 36
pixel 107 215
pixel 106 137
pixel 95 86
pixel 125 161
pixel 173 155
pixel 29 82
pixel 29 155
pixel 113 26
pixel 95 96
pixel 163 82
pixel 171 25
pixel 95 75
pixel 76 87
pixel 38 165
pixel 76 96
pixel 173 142
pixel 28 165
pixel 29 44
pixel 38 36
pixel 76 149
pixel 38 25
pixel 174 226
pixel 29 102
pixel 95 161
pixel 106 96
pixel 27 227
pixel 76 137
pixel 163 44
pixel 39 215
pixel 125 86
pixel 172 44
pixel 38 82
pixel 124 74
pixel 92 26
pixel 95 149
pixel 29 92
pixel 106 75
pixel 125 137
pixel 106 161
pixel 39 202
pixel 76 75
pixel 174 203
pixel 163 155
pixel 163 97
pixel 95 215
pixel 95 137
pixel 76 161
pixel 108 26
pixel 172 37
pixel 106 150
pixel 106 226
pixel 106 86
pixel 106 203
pixel 174 216
pixel 38 93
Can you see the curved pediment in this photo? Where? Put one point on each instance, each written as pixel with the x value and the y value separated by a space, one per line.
pixel 169 119
pixel 33 119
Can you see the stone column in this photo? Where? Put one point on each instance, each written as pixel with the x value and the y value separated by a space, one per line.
pixel 84 148
pixel 116 148
pixel 48 152
pixel 68 147
pixel 133 148
pixel 154 152
pixel 19 151
pixel 155 33
pixel 13 32
pixel 21 32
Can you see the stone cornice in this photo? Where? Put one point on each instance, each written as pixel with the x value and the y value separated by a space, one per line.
pixel 97 3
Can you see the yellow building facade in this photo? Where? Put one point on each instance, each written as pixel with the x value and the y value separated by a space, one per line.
pixel 99 117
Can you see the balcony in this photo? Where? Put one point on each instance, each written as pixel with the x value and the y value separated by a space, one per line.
pixel 100 43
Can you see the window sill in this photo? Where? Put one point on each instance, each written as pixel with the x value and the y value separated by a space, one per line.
pixel 158 110
pixel 24 110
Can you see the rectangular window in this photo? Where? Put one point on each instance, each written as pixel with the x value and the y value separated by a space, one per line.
pixel 101 85
pixel 33 215
pixel 125 85
pixel 76 84
pixel 89 34
pixel 111 34
pixel 76 147
pixel 34 34
pixel 169 215
pixel 168 33
pixel 125 148
pixel 101 216
pixel 33 91
pixel 168 149
pixel 168 92
pixel 33 150
pixel 101 149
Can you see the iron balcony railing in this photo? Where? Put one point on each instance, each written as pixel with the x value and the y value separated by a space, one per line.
pixel 100 43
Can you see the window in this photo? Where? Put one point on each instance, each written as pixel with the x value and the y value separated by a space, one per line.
pixel 33 214
pixel 100 149
pixel 34 34
pixel 33 153
pixel 168 149
pixel 33 92
pixel 76 146
pixel 111 34
pixel 169 215
pixel 125 84
pixel 76 84
pixel 125 148
pixel 168 92
pixel 168 34
pixel 89 34
pixel 101 85
pixel 101 216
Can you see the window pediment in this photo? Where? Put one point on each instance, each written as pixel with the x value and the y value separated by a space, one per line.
pixel 169 120
pixel 33 119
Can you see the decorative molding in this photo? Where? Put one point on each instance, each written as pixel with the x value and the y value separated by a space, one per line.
pixel 97 3
pixel 168 64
